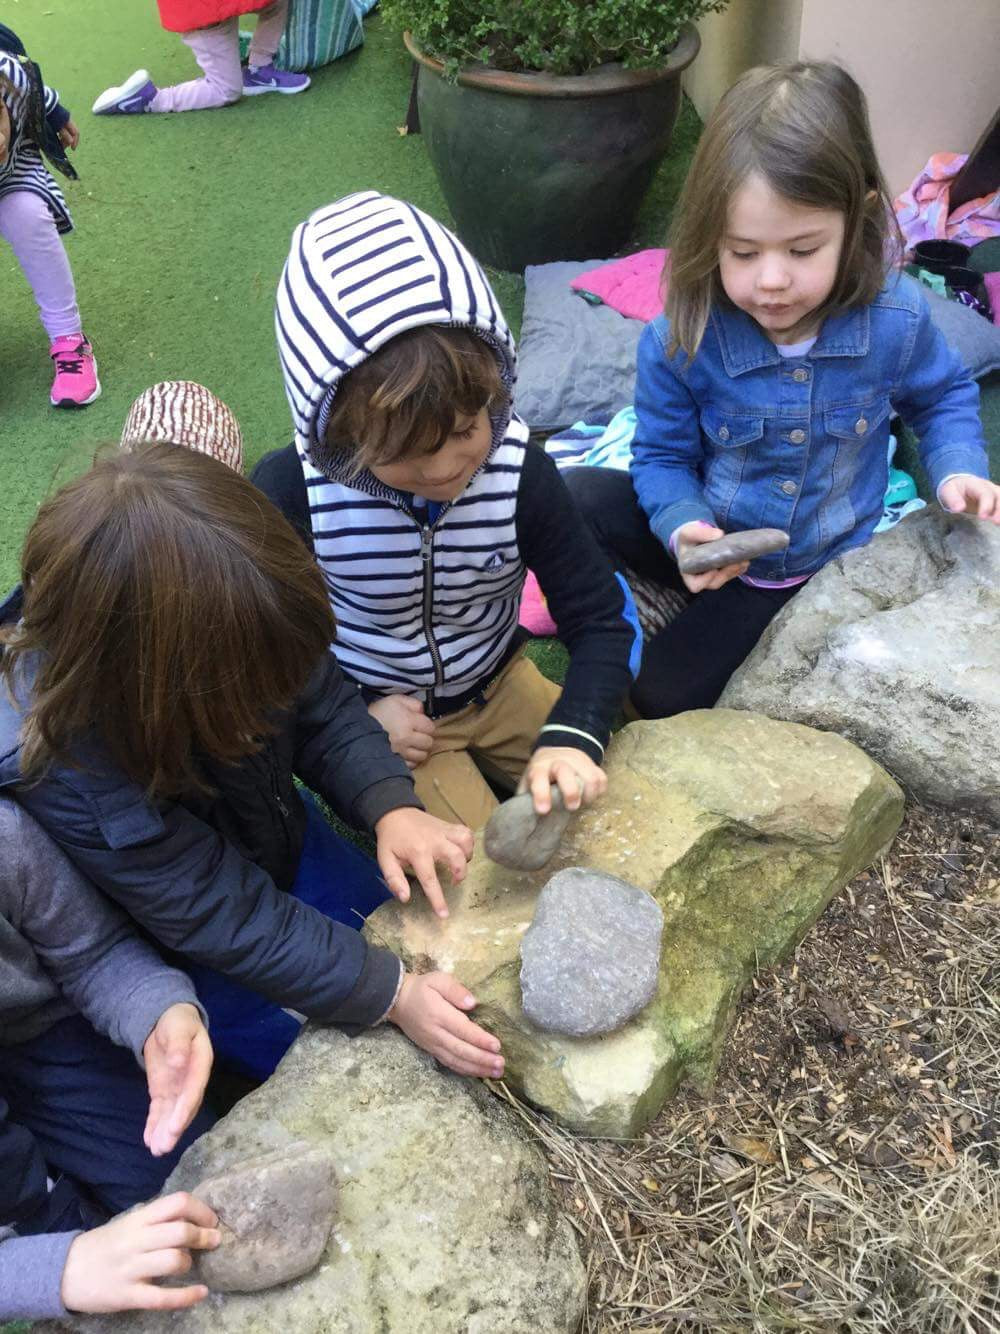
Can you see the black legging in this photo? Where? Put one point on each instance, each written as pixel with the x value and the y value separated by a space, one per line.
pixel 685 666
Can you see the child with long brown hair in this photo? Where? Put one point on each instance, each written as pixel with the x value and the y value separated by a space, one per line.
pixel 168 671
pixel 764 394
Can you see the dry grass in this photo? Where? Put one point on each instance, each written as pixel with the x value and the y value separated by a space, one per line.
pixel 843 1173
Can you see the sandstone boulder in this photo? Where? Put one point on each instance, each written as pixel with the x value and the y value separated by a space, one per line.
pixel 741 828
pixel 447 1223
pixel 897 646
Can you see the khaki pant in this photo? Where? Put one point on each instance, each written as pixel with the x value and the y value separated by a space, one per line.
pixel 494 738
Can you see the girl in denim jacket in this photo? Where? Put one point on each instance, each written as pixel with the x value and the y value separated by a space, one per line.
pixel 764 394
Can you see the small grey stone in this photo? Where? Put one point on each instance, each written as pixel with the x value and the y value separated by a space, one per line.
pixel 591 958
pixel 731 549
pixel 275 1214
pixel 517 837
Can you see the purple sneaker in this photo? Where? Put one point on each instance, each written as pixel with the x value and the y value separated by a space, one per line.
pixel 131 97
pixel 267 79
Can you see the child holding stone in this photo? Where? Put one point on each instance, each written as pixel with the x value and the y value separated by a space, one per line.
pixel 764 394
pixel 415 484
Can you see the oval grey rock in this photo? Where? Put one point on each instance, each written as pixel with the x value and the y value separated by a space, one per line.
pixel 590 960
pixel 732 549
pixel 275 1215
pixel 518 838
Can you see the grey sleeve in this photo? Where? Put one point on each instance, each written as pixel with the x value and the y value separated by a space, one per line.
pixel 88 945
pixel 31 1270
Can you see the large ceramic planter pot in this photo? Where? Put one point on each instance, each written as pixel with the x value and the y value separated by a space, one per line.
pixel 538 167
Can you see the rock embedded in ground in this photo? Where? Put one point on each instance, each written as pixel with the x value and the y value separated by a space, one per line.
pixel 896 646
pixel 741 828
pixel 590 960
pixel 275 1214
pixel 448 1222
pixel 519 838
pixel 731 549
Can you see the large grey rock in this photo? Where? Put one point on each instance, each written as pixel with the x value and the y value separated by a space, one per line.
pixel 516 836
pixel 741 828
pixel 448 1223
pixel 275 1214
pixel 590 960
pixel 897 646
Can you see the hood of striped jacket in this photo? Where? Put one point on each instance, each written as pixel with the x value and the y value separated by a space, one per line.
pixel 359 272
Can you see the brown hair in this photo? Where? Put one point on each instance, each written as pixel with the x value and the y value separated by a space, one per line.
pixel 804 129
pixel 174 610
pixel 404 400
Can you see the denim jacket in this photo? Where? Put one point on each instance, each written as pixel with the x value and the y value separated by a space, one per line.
pixel 745 438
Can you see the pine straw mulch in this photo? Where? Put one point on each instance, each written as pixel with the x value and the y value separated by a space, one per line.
pixel 844 1172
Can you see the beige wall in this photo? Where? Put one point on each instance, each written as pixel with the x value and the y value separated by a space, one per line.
pixel 930 70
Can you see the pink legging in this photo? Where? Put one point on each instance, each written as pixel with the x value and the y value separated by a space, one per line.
pixel 217 51
pixel 28 227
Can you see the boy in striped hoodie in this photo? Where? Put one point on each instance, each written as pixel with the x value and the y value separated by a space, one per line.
pixel 416 486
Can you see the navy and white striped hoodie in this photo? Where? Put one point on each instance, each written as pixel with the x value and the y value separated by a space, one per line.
pixel 431 609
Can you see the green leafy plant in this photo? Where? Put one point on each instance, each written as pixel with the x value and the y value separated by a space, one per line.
pixel 553 36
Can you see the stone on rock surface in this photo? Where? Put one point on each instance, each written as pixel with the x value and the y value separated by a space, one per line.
pixel 591 958
pixel 731 549
pixel 518 837
pixel 741 828
pixel 275 1214
pixel 896 646
pixel 448 1223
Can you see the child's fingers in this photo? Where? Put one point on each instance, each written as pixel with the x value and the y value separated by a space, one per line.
pixel 570 783
pixel 180 1233
pixel 539 785
pixel 455 860
pixel 178 1205
pixel 151 1297
pixel 424 870
pixel 394 876
pixel 166 1263
pixel 466 1059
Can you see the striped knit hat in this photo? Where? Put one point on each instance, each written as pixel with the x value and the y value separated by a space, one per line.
pixel 180 412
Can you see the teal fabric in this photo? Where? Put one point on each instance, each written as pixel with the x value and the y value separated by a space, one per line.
pixel 318 32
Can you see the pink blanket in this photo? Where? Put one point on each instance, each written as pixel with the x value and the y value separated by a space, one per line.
pixel 635 286
pixel 924 210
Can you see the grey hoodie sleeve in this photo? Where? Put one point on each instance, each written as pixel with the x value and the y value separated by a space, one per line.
pixel 31 1270
pixel 83 941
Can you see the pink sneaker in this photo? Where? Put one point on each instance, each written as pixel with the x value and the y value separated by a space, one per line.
pixel 76 383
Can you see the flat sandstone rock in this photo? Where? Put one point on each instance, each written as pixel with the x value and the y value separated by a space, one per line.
pixel 731 550
pixel 275 1215
pixel 590 960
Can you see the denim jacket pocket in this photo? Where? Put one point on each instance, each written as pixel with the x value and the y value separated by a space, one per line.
pixel 858 421
pixel 731 430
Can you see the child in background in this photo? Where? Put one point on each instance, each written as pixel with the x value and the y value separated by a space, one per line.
pixel 82 1134
pixel 764 396
pixel 211 29
pixel 34 216
pixel 169 674
pixel 416 486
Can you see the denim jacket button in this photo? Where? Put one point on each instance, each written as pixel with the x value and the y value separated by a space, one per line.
pixel 861 425
pixel 789 488
pixel 796 436
pixel 723 432
pixel 800 375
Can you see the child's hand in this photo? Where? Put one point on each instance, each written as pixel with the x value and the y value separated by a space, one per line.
pixel 429 1010
pixel 692 535
pixel 411 838
pixel 971 495
pixel 69 135
pixel 178 1056
pixel 112 1267
pixel 411 732
pixel 576 775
